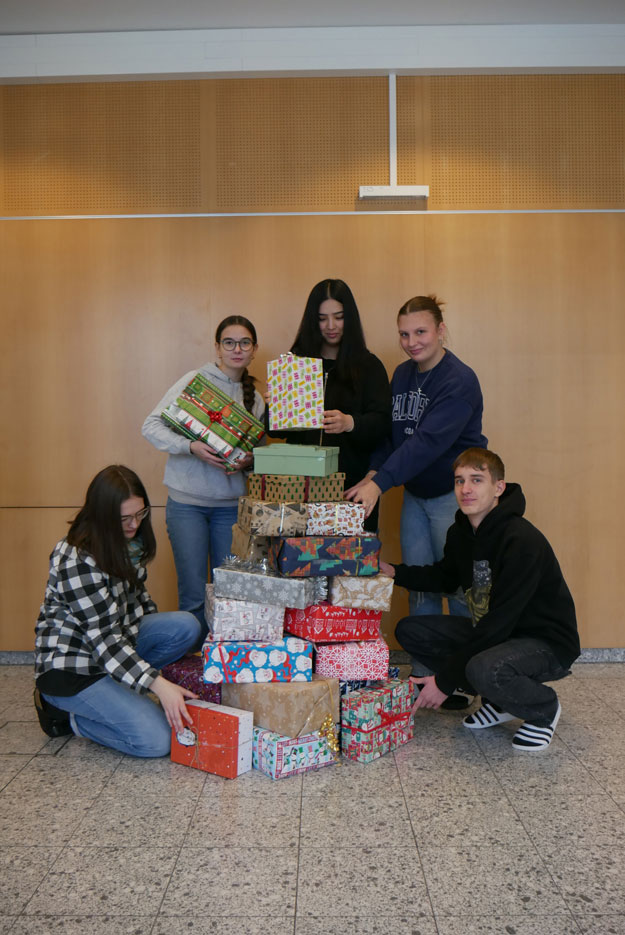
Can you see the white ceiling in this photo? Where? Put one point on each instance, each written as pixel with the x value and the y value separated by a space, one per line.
pixel 68 16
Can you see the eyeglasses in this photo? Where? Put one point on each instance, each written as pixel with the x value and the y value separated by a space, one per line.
pixel 245 344
pixel 136 517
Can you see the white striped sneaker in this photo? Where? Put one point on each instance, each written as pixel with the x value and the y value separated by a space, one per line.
pixel 533 737
pixel 488 715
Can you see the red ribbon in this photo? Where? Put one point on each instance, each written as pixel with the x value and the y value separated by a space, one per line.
pixel 215 416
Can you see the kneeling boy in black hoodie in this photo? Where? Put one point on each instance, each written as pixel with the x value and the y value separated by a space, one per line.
pixel 522 631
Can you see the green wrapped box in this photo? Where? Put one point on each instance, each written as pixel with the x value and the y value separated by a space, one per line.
pixel 310 460
pixel 295 487
pixel 203 412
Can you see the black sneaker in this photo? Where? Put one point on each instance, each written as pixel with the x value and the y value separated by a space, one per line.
pixel 457 701
pixel 54 722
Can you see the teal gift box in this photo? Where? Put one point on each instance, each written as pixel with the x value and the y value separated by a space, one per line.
pixel 310 460
pixel 279 756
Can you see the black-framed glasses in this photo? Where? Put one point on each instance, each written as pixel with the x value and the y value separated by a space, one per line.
pixel 245 344
pixel 136 517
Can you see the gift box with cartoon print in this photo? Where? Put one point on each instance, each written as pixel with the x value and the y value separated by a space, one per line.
pixel 335 519
pixel 229 619
pixel 310 556
pixel 286 660
pixel 323 623
pixel 218 740
pixel 279 756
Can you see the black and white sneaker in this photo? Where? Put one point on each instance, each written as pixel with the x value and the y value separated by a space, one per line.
pixel 53 721
pixel 532 737
pixel 488 715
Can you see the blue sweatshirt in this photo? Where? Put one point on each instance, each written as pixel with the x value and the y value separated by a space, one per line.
pixel 430 427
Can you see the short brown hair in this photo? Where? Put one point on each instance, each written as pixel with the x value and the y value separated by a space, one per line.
pixel 483 460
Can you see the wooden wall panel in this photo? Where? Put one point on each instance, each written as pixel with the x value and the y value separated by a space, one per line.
pixel 99 317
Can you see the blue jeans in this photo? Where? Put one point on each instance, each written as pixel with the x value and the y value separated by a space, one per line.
pixel 423 530
pixel 195 533
pixel 113 714
pixel 510 674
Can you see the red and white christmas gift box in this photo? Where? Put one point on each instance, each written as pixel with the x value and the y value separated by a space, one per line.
pixel 361 660
pixel 323 623
pixel 219 739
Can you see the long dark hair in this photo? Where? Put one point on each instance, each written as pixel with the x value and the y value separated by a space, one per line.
pixel 97 527
pixel 309 340
pixel 247 380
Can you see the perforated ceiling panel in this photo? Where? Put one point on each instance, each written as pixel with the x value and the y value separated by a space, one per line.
pixel 101 148
pixel 527 141
pixel 299 144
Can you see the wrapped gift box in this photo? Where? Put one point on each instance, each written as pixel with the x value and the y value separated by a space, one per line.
pixel 351 685
pixel 288 708
pixel 248 545
pixel 369 593
pixel 323 623
pixel 219 740
pixel 305 460
pixel 203 412
pixel 361 660
pixel 375 721
pixel 265 518
pixel 335 519
pixel 279 756
pixel 244 585
pixel 286 660
pixel 295 386
pixel 229 619
pixel 294 487
pixel 189 673
pixel 311 556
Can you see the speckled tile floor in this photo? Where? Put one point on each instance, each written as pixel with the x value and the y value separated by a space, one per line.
pixel 454 834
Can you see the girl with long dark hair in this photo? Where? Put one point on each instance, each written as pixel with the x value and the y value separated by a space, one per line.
pixel 357 398
pixel 203 498
pixel 99 639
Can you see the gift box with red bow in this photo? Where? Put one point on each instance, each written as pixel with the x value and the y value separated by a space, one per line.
pixel 375 721
pixel 203 412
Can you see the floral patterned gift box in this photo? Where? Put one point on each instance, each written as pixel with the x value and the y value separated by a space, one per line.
pixel 361 660
pixel 375 721
pixel 287 660
pixel 295 387
pixel 189 673
pixel 242 620
pixel 370 593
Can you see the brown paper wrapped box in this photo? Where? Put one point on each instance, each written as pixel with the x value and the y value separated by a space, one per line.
pixel 247 545
pixel 288 708
pixel 265 518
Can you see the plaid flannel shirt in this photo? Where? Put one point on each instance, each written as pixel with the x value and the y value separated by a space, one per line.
pixel 89 621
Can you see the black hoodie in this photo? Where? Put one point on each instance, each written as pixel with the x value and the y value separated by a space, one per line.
pixel 512 580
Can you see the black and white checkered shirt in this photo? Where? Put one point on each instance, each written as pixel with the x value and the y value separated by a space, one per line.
pixel 89 621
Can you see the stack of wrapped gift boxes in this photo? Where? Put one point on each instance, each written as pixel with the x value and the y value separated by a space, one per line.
pixel 302 562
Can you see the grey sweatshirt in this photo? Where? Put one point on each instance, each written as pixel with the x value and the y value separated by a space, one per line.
pixel 188 479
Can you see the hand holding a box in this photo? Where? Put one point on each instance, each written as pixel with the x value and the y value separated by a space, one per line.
pixel 172 699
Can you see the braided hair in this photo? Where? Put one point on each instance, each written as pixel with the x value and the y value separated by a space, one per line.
pixel 247 380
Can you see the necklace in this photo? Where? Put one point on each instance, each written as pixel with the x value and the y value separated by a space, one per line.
pixel 420 392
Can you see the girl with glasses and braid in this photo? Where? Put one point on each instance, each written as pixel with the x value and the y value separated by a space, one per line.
pixel 99 639
pixel 203 498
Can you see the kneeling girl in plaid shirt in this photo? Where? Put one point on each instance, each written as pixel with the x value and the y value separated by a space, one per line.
pixel 99 639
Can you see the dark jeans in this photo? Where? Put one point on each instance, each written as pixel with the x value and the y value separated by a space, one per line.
pixel 510 674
